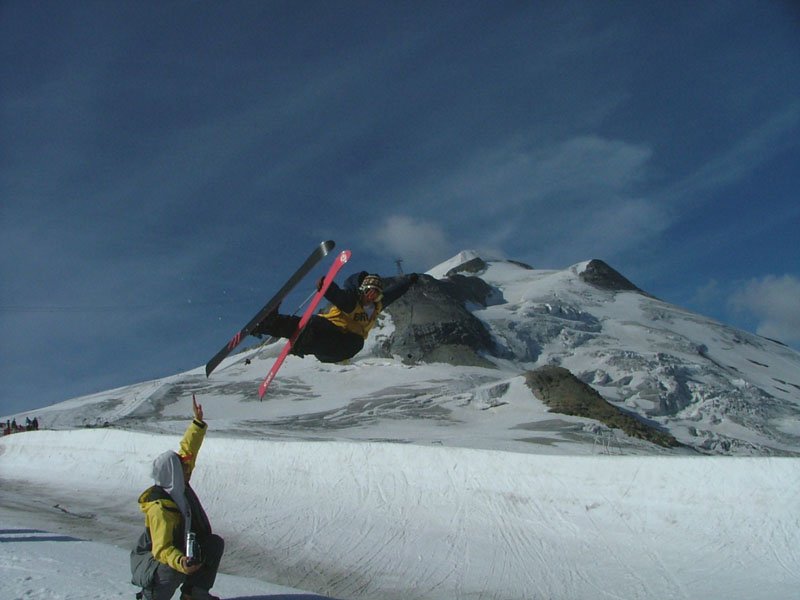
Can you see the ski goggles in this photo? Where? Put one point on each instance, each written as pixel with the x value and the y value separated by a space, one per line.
pixel 373 294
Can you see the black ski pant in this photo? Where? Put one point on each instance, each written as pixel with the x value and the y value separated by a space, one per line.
pixel 320 338
pixel 166 579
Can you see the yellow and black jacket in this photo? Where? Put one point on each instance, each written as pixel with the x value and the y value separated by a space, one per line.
pixel 346 311
pixel 163 538
pixel 338 333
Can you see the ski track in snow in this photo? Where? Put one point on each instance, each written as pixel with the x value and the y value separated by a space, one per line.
pixel 40 565
pixel 393 521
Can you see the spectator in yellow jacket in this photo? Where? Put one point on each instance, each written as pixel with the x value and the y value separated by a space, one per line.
pixel 159 563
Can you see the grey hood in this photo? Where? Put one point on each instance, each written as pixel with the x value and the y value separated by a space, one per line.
pixel 168 474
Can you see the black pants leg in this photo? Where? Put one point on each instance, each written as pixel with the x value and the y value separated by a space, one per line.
pixel 212 547
pixel 276 325
pixel 327 342
pixel 320 337
pixel 165 581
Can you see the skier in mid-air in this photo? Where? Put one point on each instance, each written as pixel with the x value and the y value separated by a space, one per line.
pixel 340 332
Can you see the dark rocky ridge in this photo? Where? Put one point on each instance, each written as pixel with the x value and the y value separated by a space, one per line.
pixel 476 265
pixel 432 323
pixel 601 275
pixel 564 393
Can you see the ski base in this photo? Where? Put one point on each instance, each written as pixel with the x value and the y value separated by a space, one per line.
pixel 313 259
pixel 340 261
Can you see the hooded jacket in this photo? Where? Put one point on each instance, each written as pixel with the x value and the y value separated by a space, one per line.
pixel 169 507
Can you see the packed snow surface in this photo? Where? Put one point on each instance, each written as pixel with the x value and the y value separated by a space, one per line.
pixel 40 564
pixel 380 520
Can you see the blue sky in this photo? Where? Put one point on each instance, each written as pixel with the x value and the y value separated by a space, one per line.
pixel 165 165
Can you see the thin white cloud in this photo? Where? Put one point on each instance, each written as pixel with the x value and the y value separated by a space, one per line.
pixel 603 229
pixel 577 199
pixel 591 163
pixel 582 168
pixel 775 303
pixel 757 147
pixel 421 244
pixel 708 293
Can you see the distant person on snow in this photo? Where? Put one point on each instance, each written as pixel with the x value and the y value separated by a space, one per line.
pixel 159 563
pixel 340 332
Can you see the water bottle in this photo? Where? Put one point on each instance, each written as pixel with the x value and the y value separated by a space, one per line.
pixel 191 547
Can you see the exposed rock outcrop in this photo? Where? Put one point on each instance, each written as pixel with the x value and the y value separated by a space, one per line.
pixel 475 265
pixel 600 275
pixel 564 393
pixel 432 323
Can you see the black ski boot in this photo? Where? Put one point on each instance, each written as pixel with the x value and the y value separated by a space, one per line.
pixel 266 326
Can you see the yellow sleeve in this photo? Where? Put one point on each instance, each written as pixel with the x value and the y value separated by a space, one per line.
pixel 161 528
pixel 191 442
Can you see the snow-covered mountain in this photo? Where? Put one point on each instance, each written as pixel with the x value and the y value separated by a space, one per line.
pixel 466 359
pixel 477 357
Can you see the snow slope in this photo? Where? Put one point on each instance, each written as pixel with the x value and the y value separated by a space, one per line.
pixel 380 479
pixel 716 389
pixel 44 565
pixel 381 520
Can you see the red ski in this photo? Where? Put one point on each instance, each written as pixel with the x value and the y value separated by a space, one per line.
pixel 340 261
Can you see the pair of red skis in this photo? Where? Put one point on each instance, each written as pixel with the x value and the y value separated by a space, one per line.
pixel 319 253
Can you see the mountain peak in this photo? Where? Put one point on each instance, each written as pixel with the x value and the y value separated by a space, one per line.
pixel 601 275
pixel 469 262
pixel 465 261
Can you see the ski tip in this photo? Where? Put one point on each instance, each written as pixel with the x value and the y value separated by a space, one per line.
pixel 327 246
